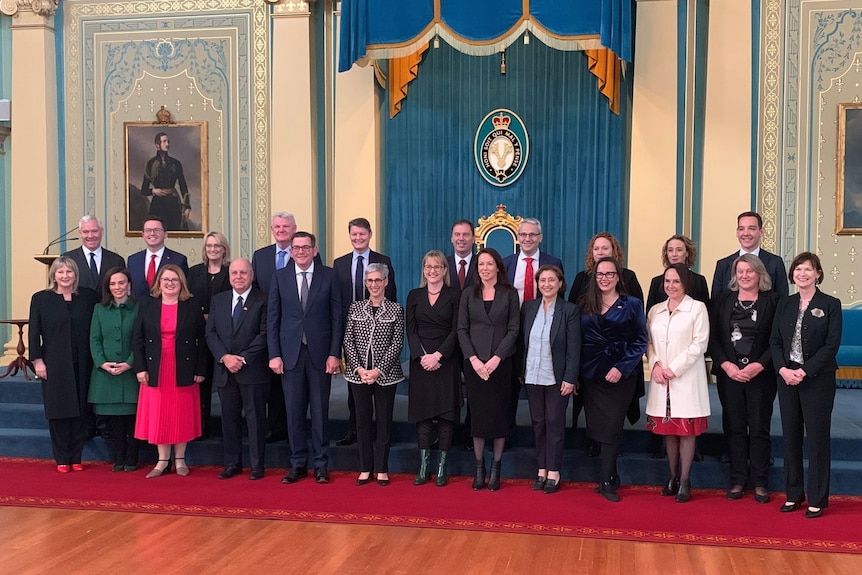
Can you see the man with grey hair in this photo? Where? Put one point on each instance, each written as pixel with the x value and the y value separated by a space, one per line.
pixel 92 259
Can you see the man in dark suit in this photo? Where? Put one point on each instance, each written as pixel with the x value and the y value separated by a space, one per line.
pixel 521 269
pixel 92 259
pixel 749 232
pixel 145 264
pixel 236 335
pixel 462 264
pixel 350 269
pixel 304 333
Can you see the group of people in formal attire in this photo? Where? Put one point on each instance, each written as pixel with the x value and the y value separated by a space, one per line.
pixel 145 344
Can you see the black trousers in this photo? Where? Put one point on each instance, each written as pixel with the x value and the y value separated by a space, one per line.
pixel 748 407
pixel 121 439
pixel 68 436
pixel 807 407
pixel 374 406
pixel 236 399
pixel 548 414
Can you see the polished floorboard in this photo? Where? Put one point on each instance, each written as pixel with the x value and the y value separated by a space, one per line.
pixel 64 542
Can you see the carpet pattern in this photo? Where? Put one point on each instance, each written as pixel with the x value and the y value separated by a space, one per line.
pixel 575 511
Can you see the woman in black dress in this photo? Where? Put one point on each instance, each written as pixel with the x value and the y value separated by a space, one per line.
pixel 614 336
pixel 205 280
pixel 59 336
pixel 488 323
pixel 435 376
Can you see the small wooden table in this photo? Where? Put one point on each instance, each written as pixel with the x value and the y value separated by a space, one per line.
pixel 21 362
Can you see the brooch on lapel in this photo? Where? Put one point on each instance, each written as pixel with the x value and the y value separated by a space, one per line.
pixel 817 312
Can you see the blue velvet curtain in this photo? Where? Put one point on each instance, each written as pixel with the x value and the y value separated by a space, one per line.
pixel 574 181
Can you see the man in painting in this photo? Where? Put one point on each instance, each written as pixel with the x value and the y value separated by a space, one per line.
pixel 162 175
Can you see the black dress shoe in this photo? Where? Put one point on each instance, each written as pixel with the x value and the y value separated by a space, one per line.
pixel 273 436
pixel 672 487
pixel 230 471
pixel 736 492
pixel 321 475
pixel 382 482
pixel 295 475
pixel 348 439
pixel 539 484
pixel 762 496
pixel 789 507
pixel 363 480
pixel 684 493
pixel 811 513
pixel 551 486
pixel 256 474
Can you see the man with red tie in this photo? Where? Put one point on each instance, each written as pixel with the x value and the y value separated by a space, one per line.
pixel 462 264
pixel 145 264
pixel 521 269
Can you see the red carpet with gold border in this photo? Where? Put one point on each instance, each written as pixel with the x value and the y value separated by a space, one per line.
pixel 642 515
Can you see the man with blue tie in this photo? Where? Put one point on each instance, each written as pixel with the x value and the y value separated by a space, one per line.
pixel 145 264
pixel 93 260
pixel 304 333
pixel 350 271
pixel 236 336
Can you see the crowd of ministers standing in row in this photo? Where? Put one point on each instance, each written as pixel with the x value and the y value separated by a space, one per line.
pixel 497 323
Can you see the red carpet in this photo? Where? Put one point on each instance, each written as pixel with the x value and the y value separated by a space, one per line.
pixel 643 515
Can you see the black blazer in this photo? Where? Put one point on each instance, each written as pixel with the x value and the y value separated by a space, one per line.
pixel 263 266
pixel 247 340
pixel 565 338
pixel 630 282
pixel 774 267
pixel 191 354
pixel 472 271
pixel 486 334
pixel 109 260
pixel 342 266
pixel 137 269
pixel 203 288
pixel 657 295
pixel 821 333
pixel 720 346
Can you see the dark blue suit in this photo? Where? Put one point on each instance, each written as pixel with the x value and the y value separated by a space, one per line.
pixel 305 381
pixel 471 274
pixel 245 390
pixel 263 266
pixel 138 262
pixel 774 267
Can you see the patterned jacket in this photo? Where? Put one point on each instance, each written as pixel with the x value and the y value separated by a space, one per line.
pixel 379 335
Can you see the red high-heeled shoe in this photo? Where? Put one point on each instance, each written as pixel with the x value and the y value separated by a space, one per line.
pixel 63 468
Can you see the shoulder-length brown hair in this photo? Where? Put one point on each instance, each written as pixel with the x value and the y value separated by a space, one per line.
pixel 616 248
pixel 690 250
pixel 812 259
pixel 184 287
pixel 557 272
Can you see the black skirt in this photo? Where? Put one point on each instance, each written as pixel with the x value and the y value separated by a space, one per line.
pixel 605 406
pixel 489 400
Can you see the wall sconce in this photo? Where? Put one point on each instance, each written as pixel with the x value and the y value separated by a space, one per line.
pixel 5 116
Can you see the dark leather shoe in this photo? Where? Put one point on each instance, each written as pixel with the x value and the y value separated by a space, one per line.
pixel 539 484
pixel 295 474
pixel 551 486
pixel 363 481
pixel 736 492
pixel 256 474
pixel 321 475
pixel 609 492
pixel 348 439
pixel 273 436
pixel 762 496
pixel 671 488
pixel 381 481
pixel 813 513
pixel 789 507
pixel 684 493
pixel 230 471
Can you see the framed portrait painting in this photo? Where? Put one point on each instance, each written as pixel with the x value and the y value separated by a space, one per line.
pixel 166 176
pixel 848 199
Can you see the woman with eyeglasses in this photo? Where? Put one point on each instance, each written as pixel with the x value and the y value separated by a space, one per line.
pixel 170 356
pixel 435 375
pixel 373 340
pixel 205 280
pixel 614 340
pixel 488 325
pixel 59 347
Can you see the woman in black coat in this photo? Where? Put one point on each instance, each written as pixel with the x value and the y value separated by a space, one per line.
pixel 741 326
pixel 806 335
pixel 59 336
pixel 678 249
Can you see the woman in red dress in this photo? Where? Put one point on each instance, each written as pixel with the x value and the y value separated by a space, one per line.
pixel 170 362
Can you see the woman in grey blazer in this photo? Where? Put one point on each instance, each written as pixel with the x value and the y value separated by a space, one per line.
pixel 550 345
pixel 488 321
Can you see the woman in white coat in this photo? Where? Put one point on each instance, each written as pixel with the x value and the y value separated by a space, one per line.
pixel 678 402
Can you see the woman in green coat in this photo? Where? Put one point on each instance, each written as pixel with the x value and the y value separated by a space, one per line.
pixel 113 386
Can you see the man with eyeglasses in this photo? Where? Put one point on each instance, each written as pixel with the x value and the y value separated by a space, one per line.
pixel 145 264
pixel 521 269
pixel 304 335
pixel 350 270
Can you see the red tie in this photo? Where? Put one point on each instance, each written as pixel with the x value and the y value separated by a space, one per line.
pixel 151 272
pixel 529 280
pixel 462 272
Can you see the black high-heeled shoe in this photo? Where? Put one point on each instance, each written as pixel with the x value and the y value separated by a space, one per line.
pixel 156 472
pixel 671 488
pixel 494 479
pixel 479 479
pixel 684 493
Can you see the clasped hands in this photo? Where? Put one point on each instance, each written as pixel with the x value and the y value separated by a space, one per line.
pixel 662 375
pixel 743 375
pixel 485 369
pixel 792 376
pixel 431 361
pixel 368 376
pixel 115 368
